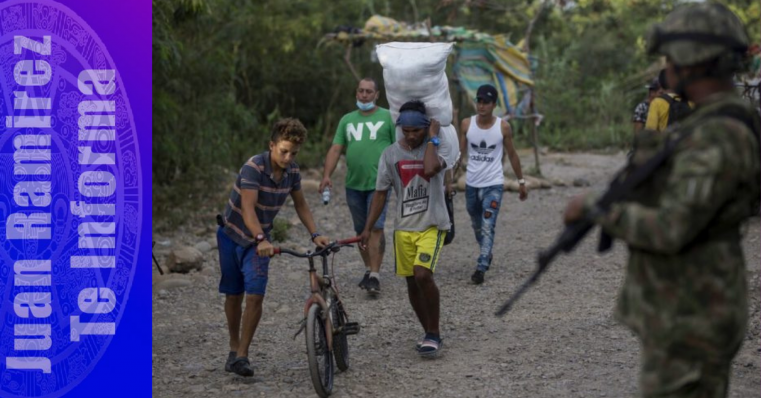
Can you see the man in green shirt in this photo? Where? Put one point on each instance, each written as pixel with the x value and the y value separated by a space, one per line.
pixel 365 132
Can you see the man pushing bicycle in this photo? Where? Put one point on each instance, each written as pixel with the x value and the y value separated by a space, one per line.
pixel 263 184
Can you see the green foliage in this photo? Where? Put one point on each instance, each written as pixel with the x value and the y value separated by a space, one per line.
pixel 224 70
pixel 280 229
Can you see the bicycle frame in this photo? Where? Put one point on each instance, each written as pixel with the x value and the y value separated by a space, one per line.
pixel 320 286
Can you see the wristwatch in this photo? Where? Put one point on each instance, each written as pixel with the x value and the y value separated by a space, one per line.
pixel 259 237
pixel 522 181
pixel 314 235
pixel 435 140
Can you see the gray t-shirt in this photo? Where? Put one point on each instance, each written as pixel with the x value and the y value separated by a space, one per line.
pixel 419 200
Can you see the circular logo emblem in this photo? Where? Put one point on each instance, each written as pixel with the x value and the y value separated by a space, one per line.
pixel 425 257
pixel 70 184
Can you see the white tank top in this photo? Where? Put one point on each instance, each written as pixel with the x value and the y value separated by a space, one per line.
pixel 484 155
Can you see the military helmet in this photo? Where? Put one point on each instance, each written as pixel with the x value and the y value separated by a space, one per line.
pixel 697 33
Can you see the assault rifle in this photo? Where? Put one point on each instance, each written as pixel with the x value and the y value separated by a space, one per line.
pixel 620 189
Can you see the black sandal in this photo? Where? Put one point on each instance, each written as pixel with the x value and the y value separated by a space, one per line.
pixel 230 359
pixel 242 367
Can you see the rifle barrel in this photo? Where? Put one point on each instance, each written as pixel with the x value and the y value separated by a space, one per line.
pixel 567 241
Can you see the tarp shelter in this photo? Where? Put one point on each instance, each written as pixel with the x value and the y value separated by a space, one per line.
pixel 479 58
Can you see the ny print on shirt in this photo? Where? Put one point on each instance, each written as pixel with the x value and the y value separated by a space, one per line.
pixel 355 130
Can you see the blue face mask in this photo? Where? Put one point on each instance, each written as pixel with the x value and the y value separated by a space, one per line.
pixel 365 106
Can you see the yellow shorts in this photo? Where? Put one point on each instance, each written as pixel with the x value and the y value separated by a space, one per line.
pixel 413 248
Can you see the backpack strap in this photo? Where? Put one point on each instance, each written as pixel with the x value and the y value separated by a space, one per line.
pixel 668 98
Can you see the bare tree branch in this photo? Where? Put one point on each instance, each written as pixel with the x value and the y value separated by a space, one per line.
pixel 347 60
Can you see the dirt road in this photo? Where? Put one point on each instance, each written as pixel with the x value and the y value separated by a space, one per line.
pixel 559 341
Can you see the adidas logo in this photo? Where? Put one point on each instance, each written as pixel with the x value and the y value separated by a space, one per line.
pixel 482 148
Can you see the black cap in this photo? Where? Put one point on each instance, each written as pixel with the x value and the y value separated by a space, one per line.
pixel 487 92
pixel 662 80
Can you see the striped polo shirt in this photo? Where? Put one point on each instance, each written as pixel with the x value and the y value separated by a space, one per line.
pixel 256 174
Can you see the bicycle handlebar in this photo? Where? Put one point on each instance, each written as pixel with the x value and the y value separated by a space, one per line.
pixel 279 250
pixel 330 247
pixel 349 241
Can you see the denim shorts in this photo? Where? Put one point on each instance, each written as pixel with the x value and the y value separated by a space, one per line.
pixel 359 206
pixel 242 269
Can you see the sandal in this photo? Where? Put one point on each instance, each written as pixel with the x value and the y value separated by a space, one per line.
pixel 242 367
pixel 431 347
pixel 230 359
pixel 420 342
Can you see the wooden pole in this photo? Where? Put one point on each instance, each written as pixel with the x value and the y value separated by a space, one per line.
pixel 535 138
pixel 527 49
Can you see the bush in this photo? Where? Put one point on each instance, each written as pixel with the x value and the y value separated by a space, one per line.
pixel 280 229
pixel 225 70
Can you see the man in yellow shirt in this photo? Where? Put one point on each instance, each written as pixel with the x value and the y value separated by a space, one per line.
pixel 661 107
pixel 643 108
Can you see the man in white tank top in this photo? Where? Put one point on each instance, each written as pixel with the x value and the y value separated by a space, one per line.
pixel 485 138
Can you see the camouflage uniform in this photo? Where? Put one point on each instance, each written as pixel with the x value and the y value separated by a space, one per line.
pixel 685 291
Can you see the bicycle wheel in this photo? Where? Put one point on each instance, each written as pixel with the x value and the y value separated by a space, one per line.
pixel 340 342
pixel 320 357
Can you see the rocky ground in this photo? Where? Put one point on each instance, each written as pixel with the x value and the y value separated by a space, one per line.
pixel 559 341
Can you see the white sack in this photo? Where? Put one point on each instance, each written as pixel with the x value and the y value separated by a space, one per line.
pixel 417 71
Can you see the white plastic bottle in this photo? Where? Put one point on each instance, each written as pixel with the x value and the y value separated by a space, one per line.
pixel 326 196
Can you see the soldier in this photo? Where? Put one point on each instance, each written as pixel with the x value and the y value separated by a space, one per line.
pixel 685 291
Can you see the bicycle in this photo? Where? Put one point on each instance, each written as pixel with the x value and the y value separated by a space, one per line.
pixel 325 320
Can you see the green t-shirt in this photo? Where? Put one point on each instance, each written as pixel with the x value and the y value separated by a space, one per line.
pixel 365 138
